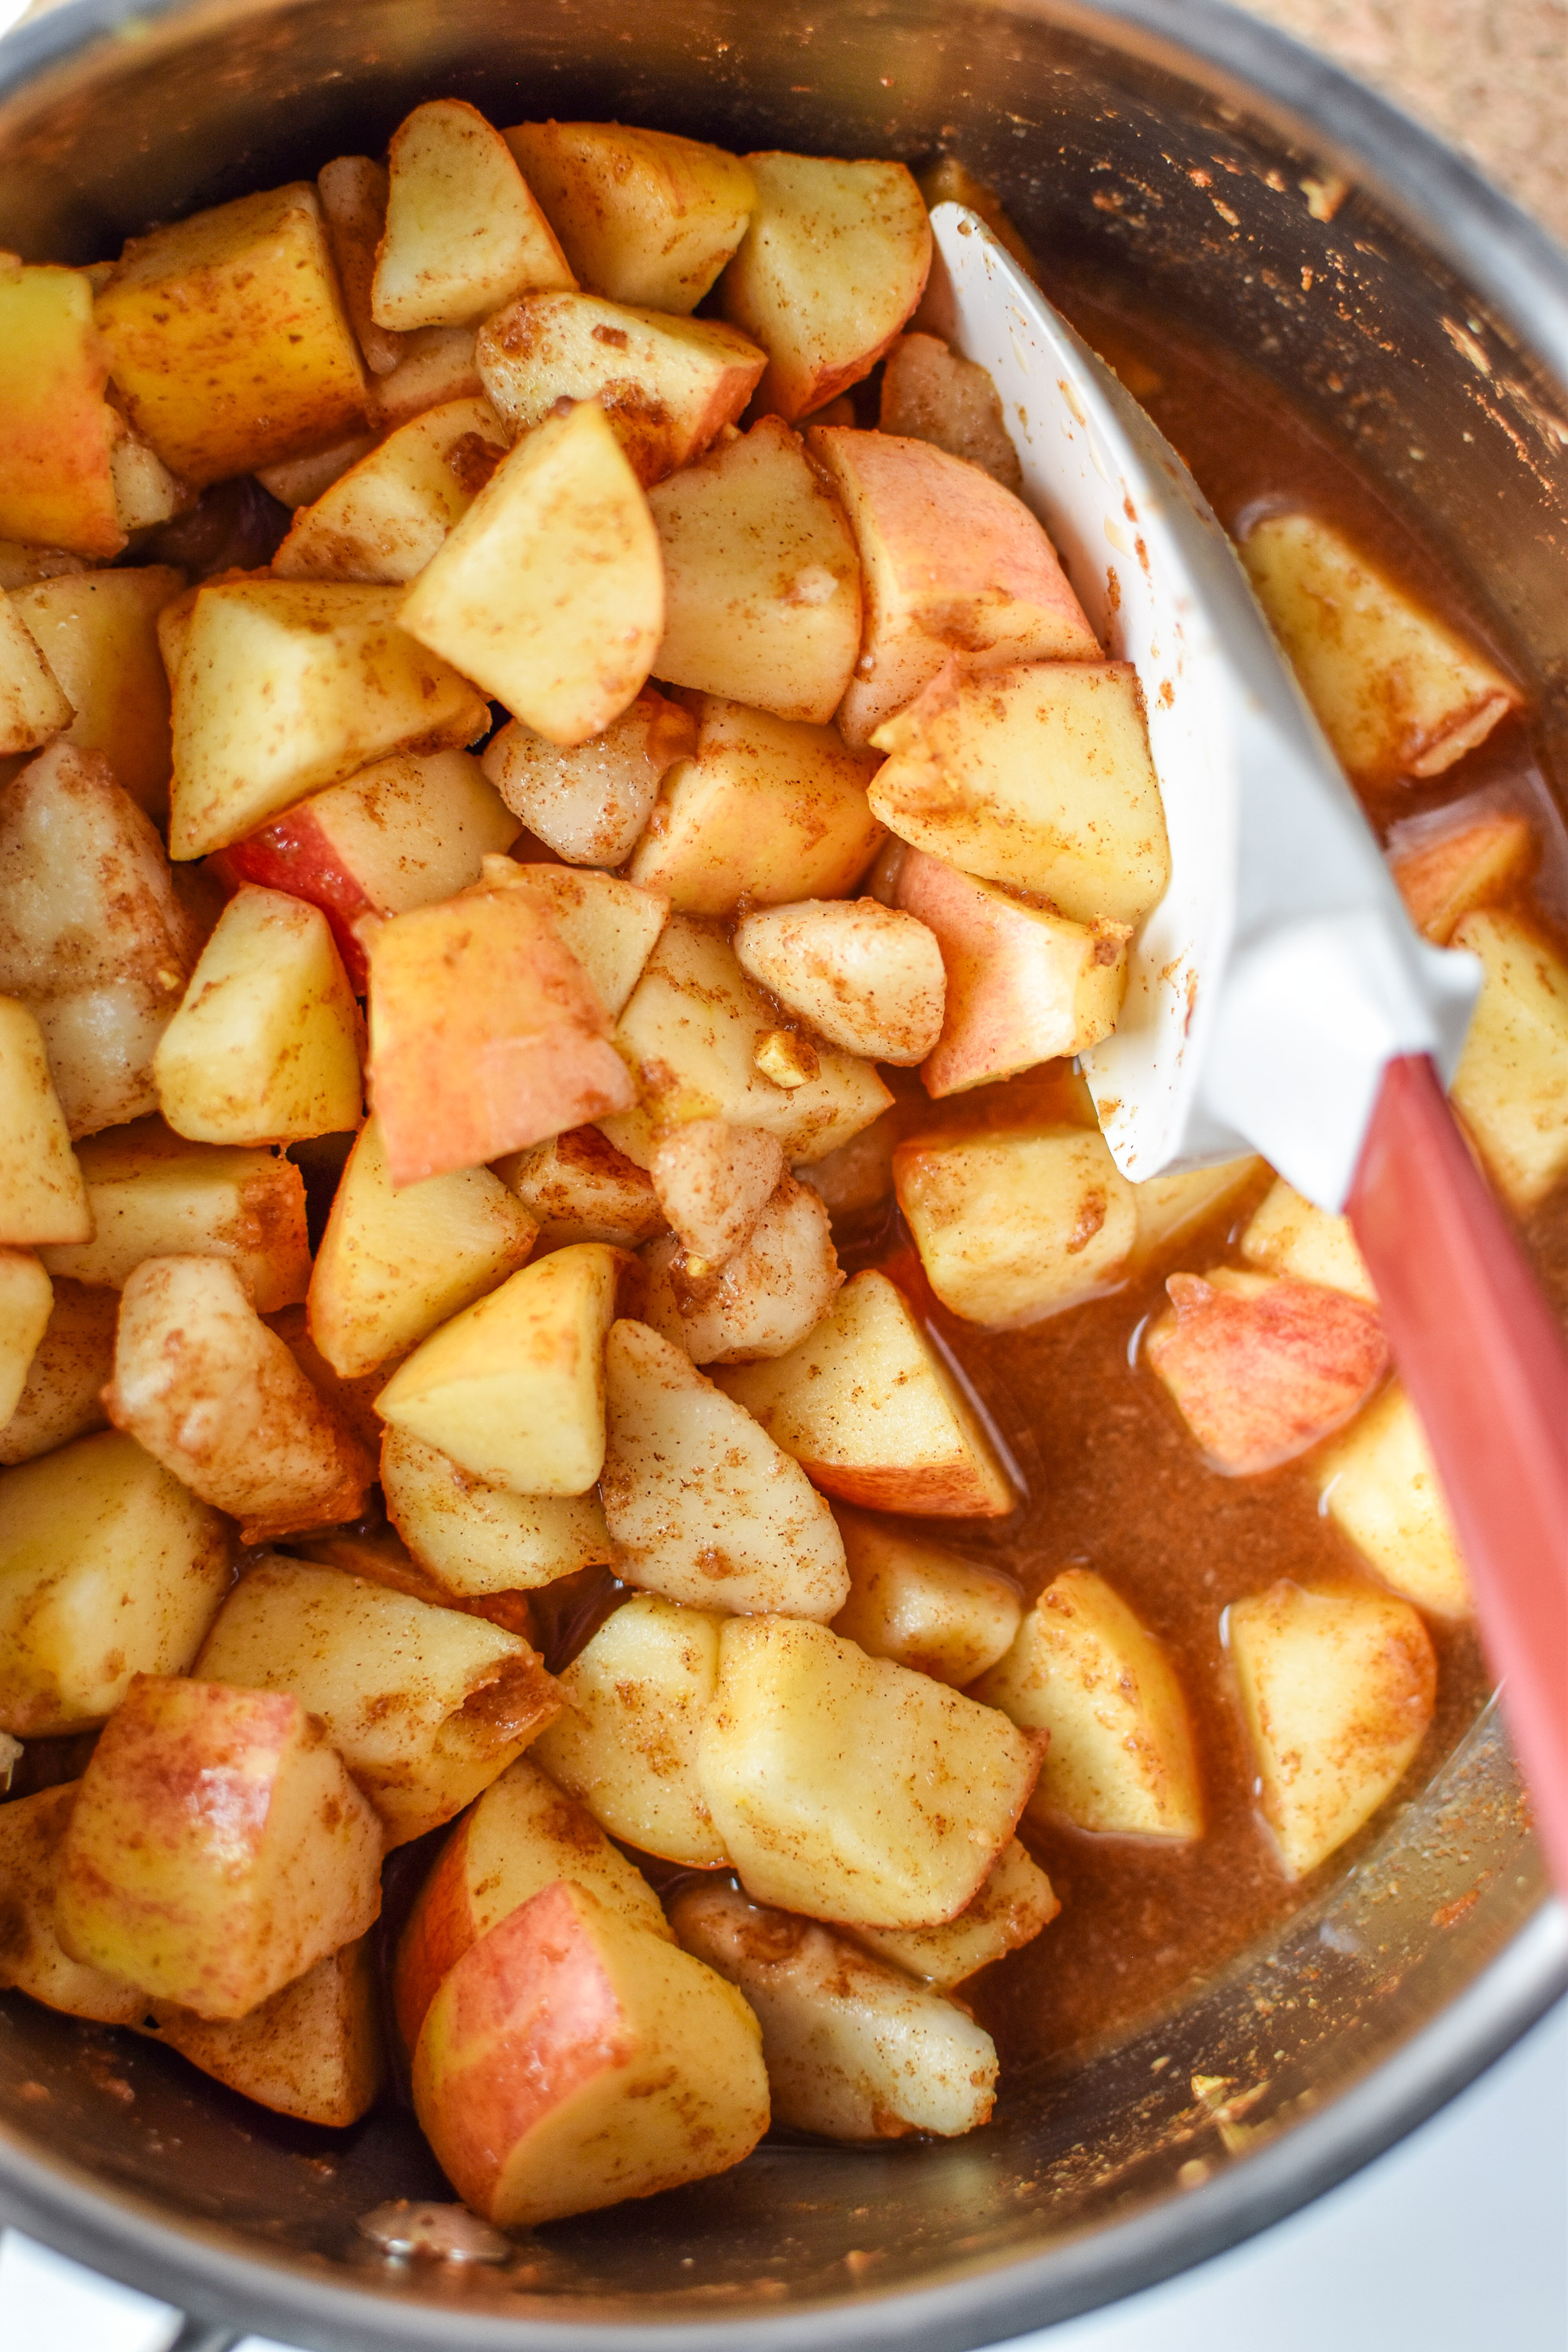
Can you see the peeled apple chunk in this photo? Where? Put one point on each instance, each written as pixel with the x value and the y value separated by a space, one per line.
pixel 464 233
pixel 762 579
pixel 1016 1223
pixel 1288 1235
pixel 760 1302
pixel 524 1835
pixel 264 1047
pixel 475 1538
pixel 286 685
pixel 43 1196
pixel 27 1297
pixel 394 1264
pixel 929 393
pixel 713 1181
pixel 833 259
pixel 62 1396
pixel 920 1605
pixel 854 2049
pixel 353 192
pixel 571 2060
pixel 872 1413
pixel 636 1695
pixel 954 564
pixel 217 1398
pixel 200 314
pixel 33 706
pixel 1512 1084
pixel 425 1706
pixel 1016 1902
pixel 550 593
pixel 513 1388
pixel 862 975
pixel 384 517
pixel 1039 776
pixel 57 479
pixel 702 1505
pixel 1170 1208
pixel 1260 1367
pixel 1446 875
pixel 108 1568
pixel 581 1188
pixel 98 632
pixel 1085 1671
pixel 32 1958
pixel 216 1849
pixel 312 2049
pixel 486 1034
pixel 1337 1689
pixel 1397 691
pixel 642 216
pixel 849 1787
pixel 588 802
pixel 1380 1487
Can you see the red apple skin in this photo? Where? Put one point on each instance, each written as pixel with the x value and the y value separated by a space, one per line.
pixel 1260 1375
pixel 440 1930
pixel 295 854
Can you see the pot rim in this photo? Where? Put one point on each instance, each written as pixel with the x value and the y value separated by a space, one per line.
pixel 1442 201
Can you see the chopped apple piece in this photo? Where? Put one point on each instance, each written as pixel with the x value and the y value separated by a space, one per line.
pixel 1380 1486
pixel 394 1264
pixel 1082 1670
pixel 866 977
pixel 834 260
pixel 33 704
pixel 286 685
pixel 436 366
pixel 1512 1084
pixel 97 632
pixel 854 2049
pixel 265 1048
pixel 217 1398
pixel 1289 1235
pixel 579 1188
pixel 550 593
pixel 25 1300
pixel 849 1787
pixel 384 517
pixel 383 1559
pixel 513 1388
pixel 702 1507
pixel 713 1181
pixel 642 216
pixel 216 1849
pixel 312 2049
pixel 57 481
pixel 764 1299
pixel 404 833
pixel 300 481
pixel 762 578
pixel 920 1605
pixel 108 1568
pixel 200 314
pixel 610 925
pixel 1444 878
pixel 1172 1207
pixel 666 385
pixel 858 1178
pixel 929 393
pixel 62 1396
pixel 524 1835
pixel 93 936
pixel 1261 1367
pixel 1015 1902
pixel 590 802
pixel 473 1537
pixel 426 1705
pixel 32 1957
pixel 1397 691
pixel 43 1194
pixel 766 809
pixel 486 1034
pixel 954 566
pixel 1016 1223
pixel 637 1697
pixel 571 2060
pixel 1337 1691
pixel 353 192
pixel 872 1413
pixel 464 234
pixel 1037 776
pixel 691 1032
pixel 21 564
pixel 1023 985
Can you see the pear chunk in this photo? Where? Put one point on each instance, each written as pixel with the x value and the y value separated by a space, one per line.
pixel 581 1188
pixel 713 1181
pixel 929 393
pixel 866 977
pixel 463 231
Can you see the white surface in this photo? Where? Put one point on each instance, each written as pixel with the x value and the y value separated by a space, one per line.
pixel 1454 2242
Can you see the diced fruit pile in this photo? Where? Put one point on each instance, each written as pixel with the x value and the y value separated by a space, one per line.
pixel 323 1422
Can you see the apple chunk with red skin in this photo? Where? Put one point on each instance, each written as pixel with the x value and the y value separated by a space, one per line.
pixel 1261 1367
pixel 570 2059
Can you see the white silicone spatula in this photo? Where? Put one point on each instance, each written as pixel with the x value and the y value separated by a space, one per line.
pixel 1279 998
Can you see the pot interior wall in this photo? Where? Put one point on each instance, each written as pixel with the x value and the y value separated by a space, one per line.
pixel 1120 172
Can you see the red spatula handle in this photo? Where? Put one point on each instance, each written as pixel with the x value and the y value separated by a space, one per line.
pixel 1487 1371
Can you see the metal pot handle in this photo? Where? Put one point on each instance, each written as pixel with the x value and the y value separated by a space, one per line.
pixel 204 2335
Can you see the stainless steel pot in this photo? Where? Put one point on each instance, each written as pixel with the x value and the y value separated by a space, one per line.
pixel 1438 348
